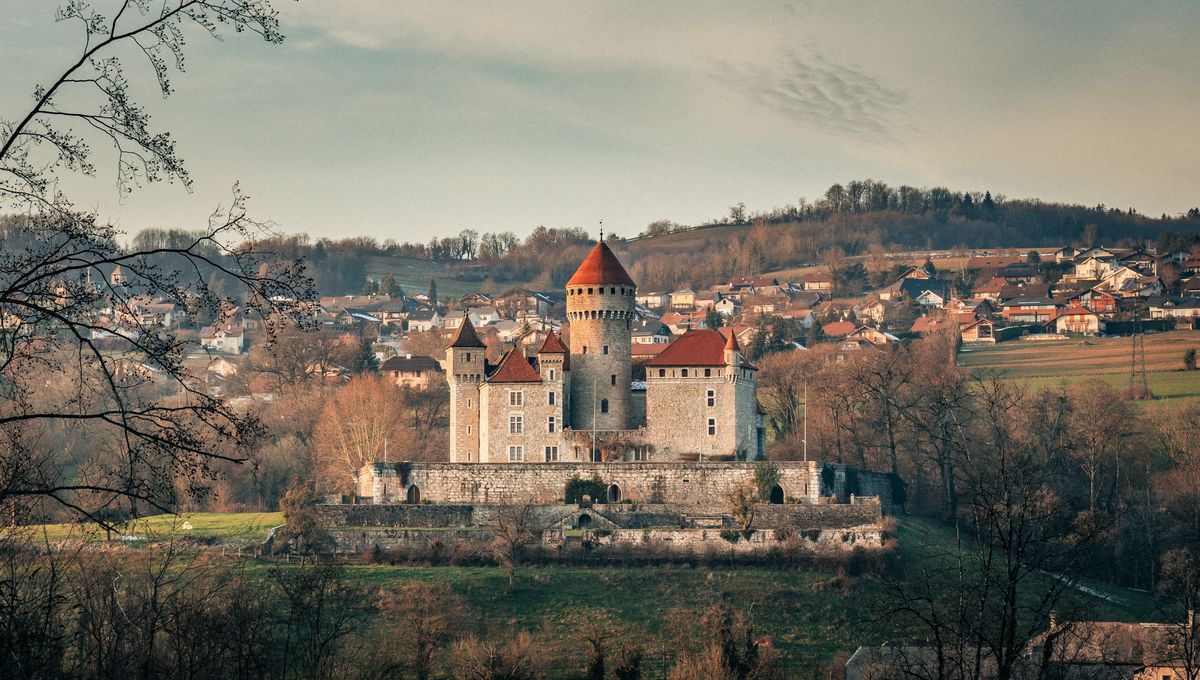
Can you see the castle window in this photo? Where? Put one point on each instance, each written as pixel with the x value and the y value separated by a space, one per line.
pixel 552 374
pixel 468 355
pixel 712 398
pixel 662 372
pixel 641 453
pixel 516 424
pixel 516 398
pixel 708 373
pixel 551 454
pixel 550 424
pixel 712 427
pixel 612 379
pixel 589 291
pixel 550 398
pixel 468 402
pixel 516 454
pixel 606 349
pixel 683 372
pixel 585 349
pixel 468 429
pixel 604 406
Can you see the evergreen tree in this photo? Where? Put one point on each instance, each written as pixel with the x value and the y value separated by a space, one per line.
pixel 713 319
pixel 433 295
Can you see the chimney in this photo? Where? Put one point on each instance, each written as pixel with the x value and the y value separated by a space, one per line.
pixel 1053 620
pixel 408 356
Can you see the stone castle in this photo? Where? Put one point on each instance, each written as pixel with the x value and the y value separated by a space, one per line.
pixel 579 404
pixel 662 458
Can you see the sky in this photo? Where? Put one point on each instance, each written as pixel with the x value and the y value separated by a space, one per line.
pixel 408 120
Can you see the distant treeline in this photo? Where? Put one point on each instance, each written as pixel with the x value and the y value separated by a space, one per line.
pixel 851 219
pixel 856 218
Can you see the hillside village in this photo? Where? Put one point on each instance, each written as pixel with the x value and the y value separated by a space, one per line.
pixel 988 297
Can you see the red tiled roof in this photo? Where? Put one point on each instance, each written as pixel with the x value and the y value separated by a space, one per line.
pixel 836 328
pixel 552 345
pixel 514 368
pixel 703 347
pixel 600 266
pixel 815 277
pixel 645 349
pixel 466 336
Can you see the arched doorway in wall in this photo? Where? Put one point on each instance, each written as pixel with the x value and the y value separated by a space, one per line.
pixel 614 493
pixel 777 495
pixel 584 521
pixel 414 494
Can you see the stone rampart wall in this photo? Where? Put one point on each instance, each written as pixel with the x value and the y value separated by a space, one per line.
pixel 691 484
pixel 681 483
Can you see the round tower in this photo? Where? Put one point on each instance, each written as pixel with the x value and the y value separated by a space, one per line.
pixel 600 300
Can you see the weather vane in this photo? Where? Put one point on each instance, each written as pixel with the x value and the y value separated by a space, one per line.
pixel 602 231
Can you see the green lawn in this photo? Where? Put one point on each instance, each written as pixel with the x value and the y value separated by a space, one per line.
pixel 807 620
pixel 236 529
pixel 1049 364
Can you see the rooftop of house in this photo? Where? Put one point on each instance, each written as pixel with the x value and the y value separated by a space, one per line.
pixel 409 363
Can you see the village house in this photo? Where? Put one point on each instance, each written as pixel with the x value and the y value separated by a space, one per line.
pixel 225 338
pixel 413 371
pixel 653 300
pixel 684 298
pixel 820 282
pixel 1174 308
pixel 1077 321
pixel 424 320
pixel 1036 310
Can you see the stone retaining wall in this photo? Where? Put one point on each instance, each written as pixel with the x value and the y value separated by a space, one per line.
pixel 691 483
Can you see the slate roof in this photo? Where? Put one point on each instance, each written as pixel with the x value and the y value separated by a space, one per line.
pixel 411 363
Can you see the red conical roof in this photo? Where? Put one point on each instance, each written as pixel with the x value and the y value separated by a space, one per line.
pixel 601 266
pixel 552 345
pixel 732 342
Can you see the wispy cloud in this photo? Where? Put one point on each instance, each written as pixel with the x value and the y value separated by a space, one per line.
pixel 820 94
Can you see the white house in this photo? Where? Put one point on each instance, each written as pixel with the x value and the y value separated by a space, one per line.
pixel 228 339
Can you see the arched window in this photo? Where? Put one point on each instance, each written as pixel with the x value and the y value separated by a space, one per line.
pixel 604 406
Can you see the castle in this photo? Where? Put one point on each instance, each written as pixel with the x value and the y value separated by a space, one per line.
pixel 579 403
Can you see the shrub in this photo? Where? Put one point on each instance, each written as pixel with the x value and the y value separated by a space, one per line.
pixel 766 477
pixel 577 488
pixel 731 535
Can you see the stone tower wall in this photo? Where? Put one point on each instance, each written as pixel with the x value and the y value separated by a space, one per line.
pixel 600 317
pixel 464 373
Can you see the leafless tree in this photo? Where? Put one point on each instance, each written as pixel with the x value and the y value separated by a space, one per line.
pixel 513 529
pixel 71 319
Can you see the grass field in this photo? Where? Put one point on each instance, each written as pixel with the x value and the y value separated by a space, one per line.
pixel 807 618
pixel 234 529
pixel 1049 364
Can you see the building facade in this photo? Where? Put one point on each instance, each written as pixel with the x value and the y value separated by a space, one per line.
pixel 579 404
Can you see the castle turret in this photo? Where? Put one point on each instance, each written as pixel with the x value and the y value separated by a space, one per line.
pixel 600 299
pixel 733 351
pixel 464 372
